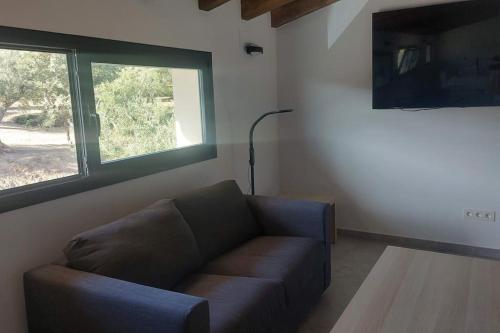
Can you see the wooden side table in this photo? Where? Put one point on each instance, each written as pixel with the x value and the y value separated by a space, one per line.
pixel 319 198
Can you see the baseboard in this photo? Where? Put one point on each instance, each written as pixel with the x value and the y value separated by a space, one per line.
pixel 421 244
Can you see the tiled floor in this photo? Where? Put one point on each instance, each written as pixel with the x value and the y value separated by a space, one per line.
pixel 352 260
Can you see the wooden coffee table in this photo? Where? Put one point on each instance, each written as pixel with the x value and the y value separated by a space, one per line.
pixel 410 291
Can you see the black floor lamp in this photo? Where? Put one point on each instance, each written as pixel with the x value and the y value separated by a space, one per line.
pixel 252 151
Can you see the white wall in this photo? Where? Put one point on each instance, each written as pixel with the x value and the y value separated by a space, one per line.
pixel 393 172
pixel 187 107
pixel 244 88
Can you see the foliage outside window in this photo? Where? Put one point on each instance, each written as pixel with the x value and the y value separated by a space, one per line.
pixel 78 113
pixel 36 142
pixel 136 107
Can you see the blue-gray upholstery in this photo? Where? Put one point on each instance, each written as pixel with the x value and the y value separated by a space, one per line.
pixel 284 217
pixel 238 304
pixel 219 217
pixel 59 299
pixel 222 263
pixel 153 247
pixel 295 262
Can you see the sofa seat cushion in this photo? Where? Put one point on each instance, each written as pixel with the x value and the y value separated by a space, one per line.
pixel 238 304
pixel 296 262
pixel 219 217
pixel 153 247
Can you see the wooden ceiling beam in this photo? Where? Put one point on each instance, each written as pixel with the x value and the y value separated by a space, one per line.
pixel 295 10
pixel 210 4
pixel 253 8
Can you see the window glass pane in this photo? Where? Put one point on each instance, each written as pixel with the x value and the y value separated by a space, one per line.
pixel 37 141
pixel 146 110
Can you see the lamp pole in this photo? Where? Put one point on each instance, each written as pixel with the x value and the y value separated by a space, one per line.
pixel 252 150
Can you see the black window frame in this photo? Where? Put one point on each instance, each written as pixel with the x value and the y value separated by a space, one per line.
pixel 82 52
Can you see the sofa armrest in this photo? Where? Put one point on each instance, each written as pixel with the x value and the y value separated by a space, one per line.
pixel 286 217
pixel 59 299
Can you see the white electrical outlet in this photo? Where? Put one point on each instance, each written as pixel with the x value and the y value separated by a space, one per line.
pixel 479 215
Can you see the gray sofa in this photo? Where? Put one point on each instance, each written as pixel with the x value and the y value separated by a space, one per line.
pixel 210 261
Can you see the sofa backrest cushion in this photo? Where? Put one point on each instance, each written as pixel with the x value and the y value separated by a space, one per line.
pixel 153 247
pixel 219 217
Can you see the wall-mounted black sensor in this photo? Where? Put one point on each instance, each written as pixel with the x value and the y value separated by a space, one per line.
pixel 253 49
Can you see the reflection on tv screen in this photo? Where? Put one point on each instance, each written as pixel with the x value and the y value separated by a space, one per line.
pixel 437 56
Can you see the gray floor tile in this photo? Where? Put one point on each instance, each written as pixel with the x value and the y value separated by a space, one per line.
pixel 352 260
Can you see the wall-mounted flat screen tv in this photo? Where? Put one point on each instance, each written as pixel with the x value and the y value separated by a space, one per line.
pixel 437 56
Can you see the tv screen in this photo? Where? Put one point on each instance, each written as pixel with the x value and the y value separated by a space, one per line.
pixel 437 56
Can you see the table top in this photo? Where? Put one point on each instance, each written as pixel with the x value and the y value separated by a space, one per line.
pixel 411 291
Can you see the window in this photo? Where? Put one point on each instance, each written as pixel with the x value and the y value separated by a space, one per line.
pixel 37 141
pixel 144 110
pixel 77 113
